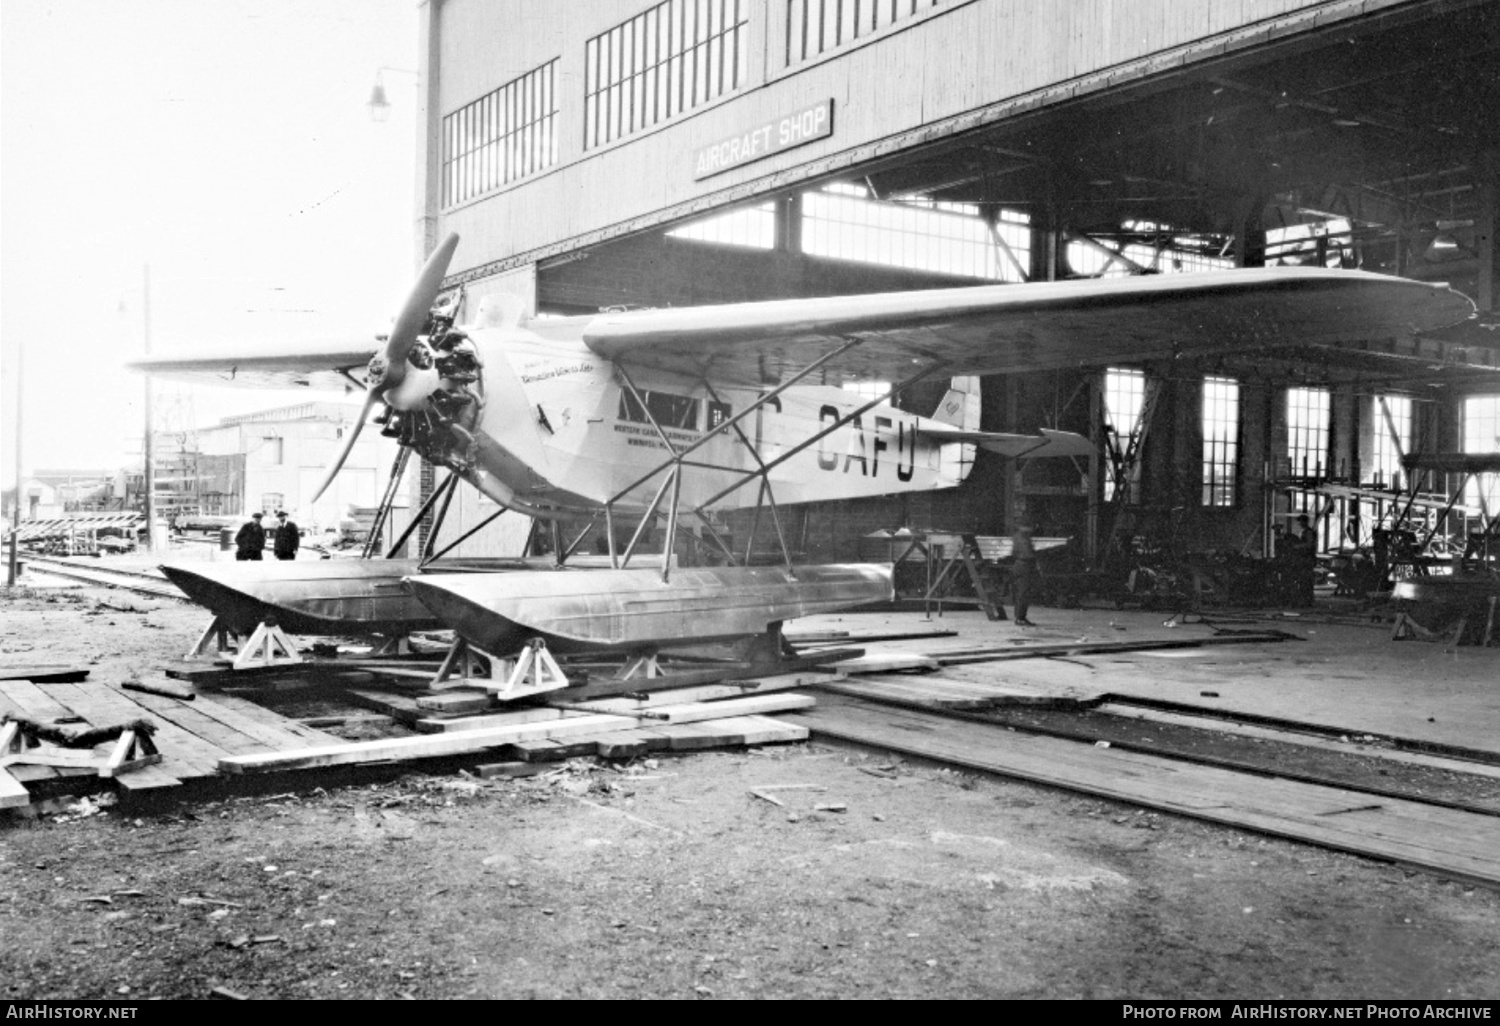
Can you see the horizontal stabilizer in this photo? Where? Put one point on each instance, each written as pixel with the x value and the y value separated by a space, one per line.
pixel 1047 443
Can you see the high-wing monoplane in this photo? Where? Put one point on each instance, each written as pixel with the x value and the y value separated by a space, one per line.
pixel 675 413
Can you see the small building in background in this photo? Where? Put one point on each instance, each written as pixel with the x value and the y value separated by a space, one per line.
pixel 272 460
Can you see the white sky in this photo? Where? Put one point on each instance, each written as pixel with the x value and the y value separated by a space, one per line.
pixel 227 144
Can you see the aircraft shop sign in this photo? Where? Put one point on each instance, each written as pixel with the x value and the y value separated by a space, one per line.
pixel 772 137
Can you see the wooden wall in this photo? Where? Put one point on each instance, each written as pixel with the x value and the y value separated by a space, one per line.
pixel 947 70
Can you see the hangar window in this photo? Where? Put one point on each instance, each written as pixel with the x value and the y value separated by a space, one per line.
pixel 815 26
pixel 752 226
pixel 666 409
pixel 1388 448
pixel 1221 441
pixel 502 136
pixel 1145 247
pixel 1124 400
pixel 944 238
pixel 1320 244
pixel 671 58
pixel 1307 413
pixel 1482 434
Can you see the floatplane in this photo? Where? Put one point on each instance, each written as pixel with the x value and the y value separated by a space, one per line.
pixel 669 415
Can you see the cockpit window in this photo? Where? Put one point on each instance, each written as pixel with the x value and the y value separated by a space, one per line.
pixel 666 409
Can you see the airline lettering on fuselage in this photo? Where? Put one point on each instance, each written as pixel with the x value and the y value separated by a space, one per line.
pixel 868 457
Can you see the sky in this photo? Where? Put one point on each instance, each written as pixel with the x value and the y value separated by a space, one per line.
pixel 227 146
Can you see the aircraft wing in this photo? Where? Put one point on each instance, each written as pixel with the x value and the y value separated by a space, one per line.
pixel 316 364
pixel 1047 443
pixel 1001 328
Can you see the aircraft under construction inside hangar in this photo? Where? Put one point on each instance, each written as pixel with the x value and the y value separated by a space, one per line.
pixel 674 413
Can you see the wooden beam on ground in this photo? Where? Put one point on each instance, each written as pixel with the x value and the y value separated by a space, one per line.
pixel 703 693
pixel 426 746
pixel 1449 841
pixel 960 657
pixel 539 714
pixel 44 674
pixel 755 705
pixel 738 730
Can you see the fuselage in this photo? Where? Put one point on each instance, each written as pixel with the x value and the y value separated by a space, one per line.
pixel 558 427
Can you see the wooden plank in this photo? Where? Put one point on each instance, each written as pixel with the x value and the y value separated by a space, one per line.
pixel 186 755
pixel 958 657
pixel 705 693
pixel 538 750
pixel 754 705
pixel 541 714
pixel 628 744
pixel 13 793
pixel 1450 841
pixel 146 778
pixel 941 693
pixel 456 703
pixel 401 708
pixel 25 773
pixel 305 732
pixel 736 672
pixel 50 673
pixel 1237 728
pixel 157 688
pixel 887 662
pixel 192 721
pixel 422 747
pixel 738 730
pixel 34 702
pixel 252 720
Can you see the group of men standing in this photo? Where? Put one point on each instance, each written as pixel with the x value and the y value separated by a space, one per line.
pixel 250 542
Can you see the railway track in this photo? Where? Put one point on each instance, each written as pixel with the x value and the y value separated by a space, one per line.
pixel 143 582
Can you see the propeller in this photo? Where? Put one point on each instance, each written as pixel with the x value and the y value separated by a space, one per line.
pixel 388 367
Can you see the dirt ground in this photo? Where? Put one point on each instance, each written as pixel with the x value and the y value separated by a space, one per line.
pixel 668 878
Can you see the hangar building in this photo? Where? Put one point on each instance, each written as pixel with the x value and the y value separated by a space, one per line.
pixel 685 152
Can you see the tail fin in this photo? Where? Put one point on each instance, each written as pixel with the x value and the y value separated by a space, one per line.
pixel 960 409
pixel 954 410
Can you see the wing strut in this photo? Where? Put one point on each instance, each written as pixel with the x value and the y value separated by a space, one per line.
pixel 674 465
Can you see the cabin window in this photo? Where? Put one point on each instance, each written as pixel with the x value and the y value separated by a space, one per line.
pixel 718 414
pixel 1221 441
pixel 666 409
pixel 673 57
pixel 503 135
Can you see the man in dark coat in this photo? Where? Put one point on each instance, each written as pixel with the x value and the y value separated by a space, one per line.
pixel 1304 559
pixel 1023 573
pixel 250 543
pixel 288 537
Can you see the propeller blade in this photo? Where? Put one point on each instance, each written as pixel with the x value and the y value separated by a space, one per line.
pixel 413 314
pixel 349 440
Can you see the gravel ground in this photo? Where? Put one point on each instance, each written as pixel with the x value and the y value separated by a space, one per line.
pixel 668 877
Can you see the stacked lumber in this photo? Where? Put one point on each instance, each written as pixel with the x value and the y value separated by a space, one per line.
pixel 681 719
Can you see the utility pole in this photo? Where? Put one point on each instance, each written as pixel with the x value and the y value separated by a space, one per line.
pixel 14 569
pixel 150 452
